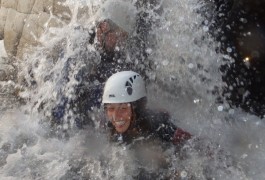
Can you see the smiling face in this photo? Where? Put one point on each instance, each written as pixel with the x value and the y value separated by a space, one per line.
pixel 120 115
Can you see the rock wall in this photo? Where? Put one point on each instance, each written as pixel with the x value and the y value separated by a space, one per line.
pixel 23 21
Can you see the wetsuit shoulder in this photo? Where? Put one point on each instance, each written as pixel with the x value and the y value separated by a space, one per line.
pixel 160 125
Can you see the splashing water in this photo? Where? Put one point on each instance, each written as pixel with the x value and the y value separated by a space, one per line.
pixel 186 82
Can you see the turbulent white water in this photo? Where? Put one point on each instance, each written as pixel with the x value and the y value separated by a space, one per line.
pixel 231 142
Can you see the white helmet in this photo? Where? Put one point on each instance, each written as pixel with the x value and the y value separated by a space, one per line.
pixel 124 87
pixel 121 12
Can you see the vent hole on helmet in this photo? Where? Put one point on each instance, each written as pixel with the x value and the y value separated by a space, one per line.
pixel 128 84
pixel 131 79
pixel 129 90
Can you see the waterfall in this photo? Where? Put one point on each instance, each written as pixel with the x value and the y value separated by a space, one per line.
pixel 186 81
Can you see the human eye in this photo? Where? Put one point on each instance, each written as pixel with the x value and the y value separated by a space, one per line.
pixel 124 108
pixel 110 109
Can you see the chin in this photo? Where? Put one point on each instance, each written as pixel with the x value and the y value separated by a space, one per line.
pixel 121 130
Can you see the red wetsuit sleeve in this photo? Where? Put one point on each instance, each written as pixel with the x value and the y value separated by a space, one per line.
pixel 181 136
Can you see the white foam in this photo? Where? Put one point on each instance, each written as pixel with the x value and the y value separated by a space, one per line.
pixel 2 49
pixel 42 157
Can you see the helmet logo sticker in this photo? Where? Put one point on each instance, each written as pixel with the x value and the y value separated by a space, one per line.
pixel 129 83
pixel 111 95
pixel 128 86
pixel 129 90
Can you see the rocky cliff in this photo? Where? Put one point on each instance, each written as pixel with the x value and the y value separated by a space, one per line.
pixel 23 21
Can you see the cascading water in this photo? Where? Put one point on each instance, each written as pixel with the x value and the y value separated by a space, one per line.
pixel 186 82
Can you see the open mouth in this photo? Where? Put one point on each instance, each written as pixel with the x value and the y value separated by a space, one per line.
pixel 119 123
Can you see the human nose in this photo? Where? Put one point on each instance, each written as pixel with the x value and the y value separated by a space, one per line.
pixel 117 114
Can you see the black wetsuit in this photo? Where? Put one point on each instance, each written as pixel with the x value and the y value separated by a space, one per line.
pixel 148 139
pixel 151 125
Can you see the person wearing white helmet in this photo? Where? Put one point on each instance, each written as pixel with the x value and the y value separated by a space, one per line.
pixel 115 37
pixel 145 132
pixel 124 100
pixel 115 23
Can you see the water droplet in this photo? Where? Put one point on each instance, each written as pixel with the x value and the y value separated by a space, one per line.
pixel 148 50
pixel 244 156
pixel 243 20
pixel 220 108
pixel 165 62
pixel 229 49
pixel 117 48
pixel 196 101
pixel 190 65
pixel 205 28
pixel 183 174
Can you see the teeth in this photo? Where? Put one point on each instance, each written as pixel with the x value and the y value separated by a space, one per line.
pixel 119 123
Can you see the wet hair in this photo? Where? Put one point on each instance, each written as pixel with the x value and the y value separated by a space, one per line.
pixel 139 107
pixel 112 25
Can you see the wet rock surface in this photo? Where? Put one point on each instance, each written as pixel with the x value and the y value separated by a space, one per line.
pixel 23 22
pixel 21 25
